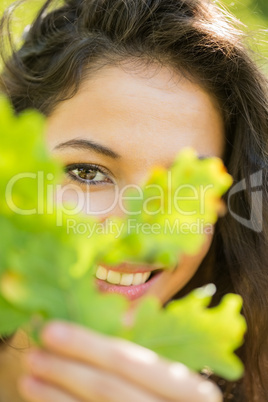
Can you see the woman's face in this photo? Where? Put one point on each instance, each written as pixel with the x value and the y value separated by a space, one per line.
pixel 118 126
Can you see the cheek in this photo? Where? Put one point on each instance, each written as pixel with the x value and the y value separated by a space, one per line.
pixel 190 264
pixel 97 201
pixel 170 283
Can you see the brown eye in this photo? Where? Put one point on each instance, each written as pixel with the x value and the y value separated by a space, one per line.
pixel 88 174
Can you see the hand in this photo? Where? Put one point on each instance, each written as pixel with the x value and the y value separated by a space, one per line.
pixel 77 364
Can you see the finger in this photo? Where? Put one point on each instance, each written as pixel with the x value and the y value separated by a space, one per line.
pixel 34 390
pixel 85 382
pixel 133 362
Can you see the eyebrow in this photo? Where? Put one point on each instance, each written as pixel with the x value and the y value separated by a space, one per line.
pixel 88 145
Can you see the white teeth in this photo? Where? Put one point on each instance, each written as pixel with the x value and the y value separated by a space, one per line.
pixel 126 279
pixel 145 276
pixel 113 277
pixel 101 273
pixel 121 278
pixel 137 279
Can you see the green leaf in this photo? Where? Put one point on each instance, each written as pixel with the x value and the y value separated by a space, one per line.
pixel 48 273
pixel 11 318
pixel 189 332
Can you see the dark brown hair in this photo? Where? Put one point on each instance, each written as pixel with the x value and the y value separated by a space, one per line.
pixel 65 45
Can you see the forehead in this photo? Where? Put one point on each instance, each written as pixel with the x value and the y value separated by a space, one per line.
pixel 146 115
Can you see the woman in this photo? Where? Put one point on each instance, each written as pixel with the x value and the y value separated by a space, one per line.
pixel 125 85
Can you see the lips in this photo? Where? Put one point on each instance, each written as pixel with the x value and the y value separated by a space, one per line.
pixel 121 278
pixel 130 280
pixel 132 267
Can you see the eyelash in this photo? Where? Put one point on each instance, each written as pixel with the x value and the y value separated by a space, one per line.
pixel 88 166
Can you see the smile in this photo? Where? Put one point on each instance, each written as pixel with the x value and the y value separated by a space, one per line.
pixel 121 278
pixel 127 279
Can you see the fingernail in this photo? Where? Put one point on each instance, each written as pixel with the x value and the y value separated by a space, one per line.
pixel 56 331
pixel 209 391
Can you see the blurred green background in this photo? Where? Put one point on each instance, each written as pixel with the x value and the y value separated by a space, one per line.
pixel 252 13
